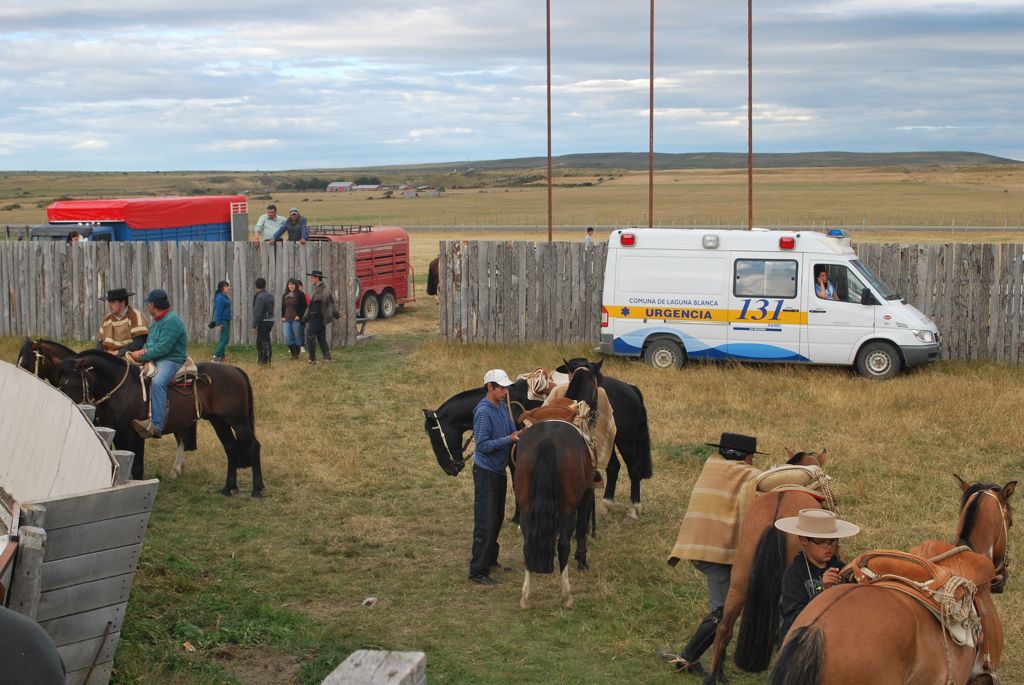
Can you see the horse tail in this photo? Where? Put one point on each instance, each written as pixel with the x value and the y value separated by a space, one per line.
pixel 759 628
pixel 644 466
pixel 248 447
pixel 540 520
pixel 801 658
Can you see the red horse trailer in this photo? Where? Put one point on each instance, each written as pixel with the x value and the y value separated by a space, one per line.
pixel 382 265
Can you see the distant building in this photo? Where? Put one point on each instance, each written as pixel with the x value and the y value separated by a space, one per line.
pixel 340 186
pixel 408 194
pixel 366 188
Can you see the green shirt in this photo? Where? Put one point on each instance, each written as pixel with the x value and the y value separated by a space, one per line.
pixel 267 227
pixel 167 340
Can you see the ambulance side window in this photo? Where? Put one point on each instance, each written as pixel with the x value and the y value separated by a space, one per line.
pixel 770 278
pixel 847 285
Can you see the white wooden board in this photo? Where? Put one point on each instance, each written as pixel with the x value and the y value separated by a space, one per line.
pixel 47 446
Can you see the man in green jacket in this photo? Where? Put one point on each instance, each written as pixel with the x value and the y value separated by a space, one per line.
pixel 167 347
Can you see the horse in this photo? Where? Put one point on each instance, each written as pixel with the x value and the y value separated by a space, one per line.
pixel 907 646
pixel 446 425
pixel 632 439
pixel 755 583
pixel 221 394
pixel 43 358
pixel 432 276
pixel 553 486
pixel 986 502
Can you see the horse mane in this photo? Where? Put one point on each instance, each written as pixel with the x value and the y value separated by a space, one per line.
pixel 795 459
pixel 971 513
pixel 105 359
pixel 62 348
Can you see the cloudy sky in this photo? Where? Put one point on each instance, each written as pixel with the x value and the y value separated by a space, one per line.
pixel 264 84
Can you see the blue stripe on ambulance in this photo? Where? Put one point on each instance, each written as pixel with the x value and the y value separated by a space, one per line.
pixel 632 344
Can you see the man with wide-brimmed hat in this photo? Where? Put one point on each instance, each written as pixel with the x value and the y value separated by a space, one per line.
pixel 167 347
pixel 123 329
pixel 710 532
pixel 816 568
pixel 321 311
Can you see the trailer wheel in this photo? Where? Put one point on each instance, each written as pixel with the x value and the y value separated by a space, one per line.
pixel 665 354
pixel 879 361
pixel 371 306
pixel 388 305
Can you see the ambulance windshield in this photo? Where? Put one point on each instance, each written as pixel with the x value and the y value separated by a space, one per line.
pixel 875 283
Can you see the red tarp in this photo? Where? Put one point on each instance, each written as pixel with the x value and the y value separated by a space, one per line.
pixel 148 212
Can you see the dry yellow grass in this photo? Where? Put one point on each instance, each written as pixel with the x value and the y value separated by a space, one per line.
pixel 356 506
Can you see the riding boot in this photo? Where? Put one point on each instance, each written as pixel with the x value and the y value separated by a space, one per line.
pixel 703 638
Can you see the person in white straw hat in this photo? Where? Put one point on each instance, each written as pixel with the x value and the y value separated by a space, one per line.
pixel 816 568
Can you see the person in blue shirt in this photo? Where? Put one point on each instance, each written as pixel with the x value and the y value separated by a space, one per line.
pixel 494 433
pixel 824 288
pixel 222 319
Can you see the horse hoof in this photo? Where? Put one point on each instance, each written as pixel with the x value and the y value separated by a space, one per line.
pixel 630 520
pixel 523 604
pixel 227 492
pixel 257 494
pixel 606 505
pixel 567 602
pixel 583 566
pixel 172 475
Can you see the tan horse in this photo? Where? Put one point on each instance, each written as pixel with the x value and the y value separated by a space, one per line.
pixel 856 634
pixel 755 584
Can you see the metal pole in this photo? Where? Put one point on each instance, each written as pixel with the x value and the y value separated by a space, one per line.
pixel 549 117
pixel 650 154
pixel 750 114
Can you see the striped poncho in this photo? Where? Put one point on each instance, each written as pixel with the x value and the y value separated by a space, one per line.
pixel 711 527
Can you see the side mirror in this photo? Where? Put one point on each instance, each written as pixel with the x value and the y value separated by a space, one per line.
pixel 867 297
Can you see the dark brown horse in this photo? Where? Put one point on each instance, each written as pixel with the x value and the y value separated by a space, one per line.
pixel 43 358
pixel 553 485
pixel 755 585
pixel 855 634
pixel 224 399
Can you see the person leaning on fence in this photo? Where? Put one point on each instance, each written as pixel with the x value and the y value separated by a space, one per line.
pixel 263 320
pixel 123 329
pixel 267 225
pixel 295 226
pixel 588 239
pixel 293 306
pixel 816 568
pixel 710 532
pixel 221 319
pixel 494 433
pixel 321 311
pixel 166 347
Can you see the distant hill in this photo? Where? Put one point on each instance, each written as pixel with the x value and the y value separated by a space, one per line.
pixel 632 161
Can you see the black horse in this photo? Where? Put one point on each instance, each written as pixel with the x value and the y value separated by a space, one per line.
pixel 632 438
pixel 224 399
pixel 554 473
pixel 43 358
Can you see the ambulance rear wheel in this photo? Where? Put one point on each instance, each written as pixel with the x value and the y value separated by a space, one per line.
pixel 879 360
pixel 665 354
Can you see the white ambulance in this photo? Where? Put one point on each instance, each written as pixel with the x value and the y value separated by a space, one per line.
pixel 765 296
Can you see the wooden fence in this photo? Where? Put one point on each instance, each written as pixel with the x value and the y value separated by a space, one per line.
pixel 520 291
pixel 51 289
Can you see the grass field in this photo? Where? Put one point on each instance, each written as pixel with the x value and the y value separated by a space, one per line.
pixel 951 197
pixel 271 591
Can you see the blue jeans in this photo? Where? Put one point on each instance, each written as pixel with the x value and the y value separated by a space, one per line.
pixel 165 370
pixel 293 333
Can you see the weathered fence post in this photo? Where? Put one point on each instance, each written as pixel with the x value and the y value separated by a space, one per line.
pixel 373 667
pixel 26 585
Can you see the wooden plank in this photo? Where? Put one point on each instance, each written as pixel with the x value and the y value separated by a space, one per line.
pixel 86 538
pixel 88 624
pixel 75 599
pixel 27 577
pixel 135 497
pixel 79 656
pixel 100 675
pixel 1017 305
pixel 90 567
pixel 374 667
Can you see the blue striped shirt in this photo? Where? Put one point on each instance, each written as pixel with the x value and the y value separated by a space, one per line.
pixel 491 427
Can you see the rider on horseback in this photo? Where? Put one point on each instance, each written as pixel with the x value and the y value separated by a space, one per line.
pixel 123 329
pixel 711 531
pixel 167 348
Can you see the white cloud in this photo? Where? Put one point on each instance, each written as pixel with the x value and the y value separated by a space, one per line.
pixel 91 144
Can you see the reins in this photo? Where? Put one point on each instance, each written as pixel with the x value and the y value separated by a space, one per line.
pixel 1004 562
pixel 85 385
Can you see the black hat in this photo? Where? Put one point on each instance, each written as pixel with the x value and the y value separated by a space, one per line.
pixel 316 272
pixel 737 443
pixel 117 294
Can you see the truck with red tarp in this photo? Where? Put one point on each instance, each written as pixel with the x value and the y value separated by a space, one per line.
pixel 175 219
pixel 382 265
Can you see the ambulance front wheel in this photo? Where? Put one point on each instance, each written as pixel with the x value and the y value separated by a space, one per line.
pixel 665 354
pixel 879 360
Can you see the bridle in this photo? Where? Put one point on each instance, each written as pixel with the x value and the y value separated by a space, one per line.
pixel 1005 561
pixel 437 427
pixel 86 397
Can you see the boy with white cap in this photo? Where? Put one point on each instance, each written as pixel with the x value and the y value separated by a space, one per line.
pixel 493 433
pixel 817 567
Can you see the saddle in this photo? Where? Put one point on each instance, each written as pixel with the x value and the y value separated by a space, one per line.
pixel 948 597
pixel 808 479
pixel 560 409
pixel 185 375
